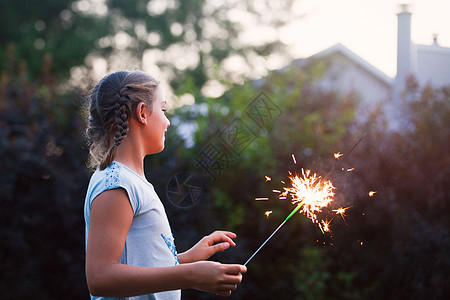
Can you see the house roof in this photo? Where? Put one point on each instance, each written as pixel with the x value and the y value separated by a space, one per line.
pixel 435 48
pixel 339 48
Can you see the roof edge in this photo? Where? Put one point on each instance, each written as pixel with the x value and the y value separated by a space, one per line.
pixel 355 58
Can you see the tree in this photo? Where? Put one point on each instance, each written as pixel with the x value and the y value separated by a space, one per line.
pixel 248 134
pixel 181 41
pixel 192 41
pixel 408 221
pixel 57 27
pixel 391 245
pixel 42 179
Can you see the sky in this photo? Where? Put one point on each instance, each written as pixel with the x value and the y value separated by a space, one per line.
pixel 366 27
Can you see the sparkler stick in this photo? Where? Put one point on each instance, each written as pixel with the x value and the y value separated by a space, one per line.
pixel 265 242
pixel 273 233
pixel 301 203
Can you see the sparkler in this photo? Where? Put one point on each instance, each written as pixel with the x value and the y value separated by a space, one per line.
pixel 311 193
pixel 307 192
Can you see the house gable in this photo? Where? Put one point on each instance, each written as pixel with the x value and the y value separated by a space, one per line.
pixel 345 72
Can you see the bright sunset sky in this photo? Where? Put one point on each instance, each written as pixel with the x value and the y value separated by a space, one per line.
pixel 367 27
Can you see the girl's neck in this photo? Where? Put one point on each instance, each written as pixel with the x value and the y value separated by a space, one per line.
pixel 131 158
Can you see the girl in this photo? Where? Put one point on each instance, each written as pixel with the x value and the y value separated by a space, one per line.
pixel 129 245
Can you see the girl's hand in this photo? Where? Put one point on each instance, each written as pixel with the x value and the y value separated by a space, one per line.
pixel 209 245
pixel 216 278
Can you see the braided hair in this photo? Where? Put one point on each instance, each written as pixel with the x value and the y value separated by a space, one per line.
pixel 112 103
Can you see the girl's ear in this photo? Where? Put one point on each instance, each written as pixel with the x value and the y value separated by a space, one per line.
pixel 142 113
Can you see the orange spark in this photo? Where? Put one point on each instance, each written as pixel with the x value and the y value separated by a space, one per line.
pixel 337 155
pixel 341 211
pixel 268 178
pixel 325 226
pixel 371 193
pixel 267 213
pixel 351 169
pixel 293 158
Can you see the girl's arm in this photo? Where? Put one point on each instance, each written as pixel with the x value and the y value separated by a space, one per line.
pixel 207 246
pixel 111 217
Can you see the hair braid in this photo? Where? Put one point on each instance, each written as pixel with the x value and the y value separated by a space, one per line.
pixel 122 112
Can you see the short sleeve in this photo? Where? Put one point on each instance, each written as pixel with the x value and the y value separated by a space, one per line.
pixel 116 177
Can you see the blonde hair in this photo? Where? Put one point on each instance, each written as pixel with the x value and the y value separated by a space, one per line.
pixel 111 104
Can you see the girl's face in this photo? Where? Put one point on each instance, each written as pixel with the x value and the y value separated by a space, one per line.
pixel 157 124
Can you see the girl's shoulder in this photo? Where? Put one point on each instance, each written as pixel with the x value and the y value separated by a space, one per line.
pixel 117 174
pixel 110 176
pixel 140 192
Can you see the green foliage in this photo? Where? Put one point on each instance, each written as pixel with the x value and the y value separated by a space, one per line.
pixel 186 40
pixel 42 179
pixel 311 274
pixel 391 246
pixel 308 119
pixel 35 29
pixel 408 220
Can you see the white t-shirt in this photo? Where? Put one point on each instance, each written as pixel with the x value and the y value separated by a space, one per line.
pixel 149 242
